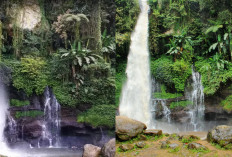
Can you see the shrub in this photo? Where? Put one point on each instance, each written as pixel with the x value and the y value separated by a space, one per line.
pixel 102 115
pixel 30 75
pixel 212 77
pixel 227 103
pixel 171 73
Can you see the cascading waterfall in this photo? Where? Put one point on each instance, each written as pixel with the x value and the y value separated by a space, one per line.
pixel 136 93
pixel 12 130
pixel 3 116
pixel 51 124
pixel 196 95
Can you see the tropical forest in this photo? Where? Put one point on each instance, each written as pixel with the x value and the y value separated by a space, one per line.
pixel 173 78
pixel 57 77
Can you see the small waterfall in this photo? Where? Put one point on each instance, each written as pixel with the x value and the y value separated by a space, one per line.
pixel 12 128
pixel 51 124
pixel 196 95
pixel 136 93
pixel 166 110
pixel 163 108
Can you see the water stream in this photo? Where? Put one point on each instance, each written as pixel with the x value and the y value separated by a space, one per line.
pixel 136 93
pixel 51 124
pixel 196 95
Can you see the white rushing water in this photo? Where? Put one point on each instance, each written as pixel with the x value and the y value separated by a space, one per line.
pixel 196 95
pixel 51 124
pixel 136 93
pixel 3 116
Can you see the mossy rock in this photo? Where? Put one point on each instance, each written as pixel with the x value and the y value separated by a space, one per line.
pixel 221 134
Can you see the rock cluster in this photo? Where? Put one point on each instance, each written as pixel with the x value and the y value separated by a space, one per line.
pixel 108 150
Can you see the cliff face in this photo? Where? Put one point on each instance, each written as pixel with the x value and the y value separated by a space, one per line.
pixel 26 15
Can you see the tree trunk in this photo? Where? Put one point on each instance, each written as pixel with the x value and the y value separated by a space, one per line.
pixel 74 76
pixel 93 28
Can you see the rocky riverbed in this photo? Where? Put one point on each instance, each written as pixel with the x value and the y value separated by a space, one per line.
pixel 142 142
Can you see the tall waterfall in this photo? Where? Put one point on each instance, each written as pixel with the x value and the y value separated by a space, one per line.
pixel 196 95
pixel 3 116
pixel 136 93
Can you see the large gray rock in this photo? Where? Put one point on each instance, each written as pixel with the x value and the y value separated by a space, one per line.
pixel 91 151
pixel 127 128
pixel 221 134
pixel 108 150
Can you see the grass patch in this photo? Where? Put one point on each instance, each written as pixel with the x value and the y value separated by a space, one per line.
pixel 187 140
pixel 33 114
pixel 174 105
pixel 164 95
pixel 19 103
pixel 177 149
pixel 200 150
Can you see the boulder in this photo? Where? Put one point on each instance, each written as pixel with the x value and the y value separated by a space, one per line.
pixel 165 144
pixel 127 128
pixel 173 146
pixel 142 138
pixel 108 150
pixel 33 129
pixel 221 134
pixel 126 147
pixel 153 132
pixel 140 144
pixel 196 146
pixel 91 151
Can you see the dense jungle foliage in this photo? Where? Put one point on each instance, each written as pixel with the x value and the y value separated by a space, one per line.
pixel 71 50
pixel 184 34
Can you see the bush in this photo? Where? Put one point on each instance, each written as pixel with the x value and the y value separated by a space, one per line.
pixel 181 72
pixel 212 77
pixel 161 69
pixel 227 103
pixel 30 75
pixel 102 115
pixel 171 73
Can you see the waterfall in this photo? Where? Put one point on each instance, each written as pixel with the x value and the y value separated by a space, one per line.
pixel 136 93
pixel 12 128
pixel 196 95
pixel 51 124
pixel 3 117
